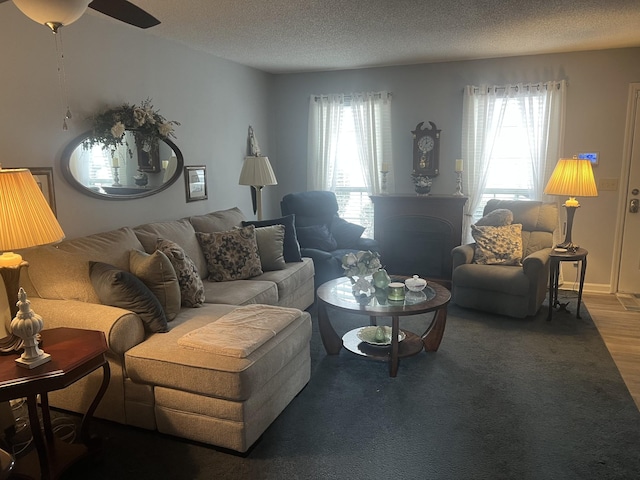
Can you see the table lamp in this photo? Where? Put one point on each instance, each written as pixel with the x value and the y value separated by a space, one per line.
pixel 26 221
pixel 257 173
pixel 572 177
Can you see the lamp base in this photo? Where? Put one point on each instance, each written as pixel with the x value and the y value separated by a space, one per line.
pixel 569 246
pixel 33 362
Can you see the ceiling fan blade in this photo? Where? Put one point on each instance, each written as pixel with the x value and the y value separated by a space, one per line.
pixel 124 11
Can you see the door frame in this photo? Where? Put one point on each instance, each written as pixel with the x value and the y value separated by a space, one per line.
pixel 625 171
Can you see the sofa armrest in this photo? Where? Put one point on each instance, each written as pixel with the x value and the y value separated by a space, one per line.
pixel 462 254
pixel 122 328
pixel 535 262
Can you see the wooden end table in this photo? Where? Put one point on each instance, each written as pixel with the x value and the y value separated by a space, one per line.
pixel 74 354
pixel 337 294
pixel 555 258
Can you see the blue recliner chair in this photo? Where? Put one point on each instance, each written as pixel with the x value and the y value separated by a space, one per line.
pixel 322 234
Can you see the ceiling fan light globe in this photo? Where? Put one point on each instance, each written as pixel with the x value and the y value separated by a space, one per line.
pixel 60 12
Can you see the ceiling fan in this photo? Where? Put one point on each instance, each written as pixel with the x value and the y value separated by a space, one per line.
pixel 57 13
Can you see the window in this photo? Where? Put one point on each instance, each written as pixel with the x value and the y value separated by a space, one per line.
pixel 351 191
pixel 509 174
pixel 511 138
pixel 349 140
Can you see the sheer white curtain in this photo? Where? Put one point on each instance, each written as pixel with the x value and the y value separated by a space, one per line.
pixel 482 115
pixel 371 115
pixel 541 107
pixel 325 118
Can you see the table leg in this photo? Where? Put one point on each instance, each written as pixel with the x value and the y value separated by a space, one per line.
pixel 38 440
pixel 84 426
pixel 393 361
pixel 583 270
pixel 432 337
pixel 330 339
pixel 46 417
pixel 552 287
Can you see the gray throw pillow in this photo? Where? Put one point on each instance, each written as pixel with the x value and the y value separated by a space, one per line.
pixel 191 286
pixel 496 218
pixel 270 242
pixel 122 289
pixel 157 273
pixel 316 236
pixel 291 247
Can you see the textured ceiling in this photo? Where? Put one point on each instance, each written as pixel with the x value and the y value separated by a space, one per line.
pixel 284 36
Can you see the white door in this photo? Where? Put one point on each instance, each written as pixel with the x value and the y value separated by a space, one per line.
pixel 629 276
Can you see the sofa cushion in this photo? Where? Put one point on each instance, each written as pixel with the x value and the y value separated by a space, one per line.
pixel 122 289
pixel 231 255
pixel 161 361
pixel 70 262
pixel 288 281
pixel 316 236
pixel 157 273
pixel 497 245
pixel 347 234
pixel 191 287
pixel 270 242
pixel 178 231
pixel 219 221
pixel 291 245
pixel 242 292
pixel 240 332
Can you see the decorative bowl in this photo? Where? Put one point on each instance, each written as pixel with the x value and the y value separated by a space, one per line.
pixel 415 284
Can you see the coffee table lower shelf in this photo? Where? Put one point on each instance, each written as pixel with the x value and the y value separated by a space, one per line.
pixel 411 345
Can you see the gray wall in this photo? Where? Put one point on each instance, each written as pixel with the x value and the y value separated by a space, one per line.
pixel 109 63
pixel 598 85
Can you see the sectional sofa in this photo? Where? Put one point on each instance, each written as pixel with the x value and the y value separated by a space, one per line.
pixel 219 370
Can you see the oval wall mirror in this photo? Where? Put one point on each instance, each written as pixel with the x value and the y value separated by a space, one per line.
pixel 133 170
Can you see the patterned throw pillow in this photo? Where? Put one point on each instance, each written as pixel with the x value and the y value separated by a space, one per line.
pixel 191 286
pixel 498 245
pixel 231 255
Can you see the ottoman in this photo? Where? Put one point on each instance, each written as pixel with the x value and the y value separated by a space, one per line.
pixel 224 382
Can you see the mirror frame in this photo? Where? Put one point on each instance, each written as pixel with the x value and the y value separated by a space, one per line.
pixel 65 163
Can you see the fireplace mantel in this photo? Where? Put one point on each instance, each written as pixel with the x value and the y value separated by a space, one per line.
pixel 417 233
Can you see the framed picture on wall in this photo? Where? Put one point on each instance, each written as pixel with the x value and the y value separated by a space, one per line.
pixel 44 178
pixel 195 178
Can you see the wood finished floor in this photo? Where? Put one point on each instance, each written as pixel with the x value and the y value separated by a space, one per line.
pixel 620 330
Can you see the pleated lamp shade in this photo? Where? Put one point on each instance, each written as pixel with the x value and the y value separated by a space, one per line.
pixel 26 220
pixel 572 177
pixel 257 171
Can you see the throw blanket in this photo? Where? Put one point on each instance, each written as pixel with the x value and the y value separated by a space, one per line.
pixel 240 332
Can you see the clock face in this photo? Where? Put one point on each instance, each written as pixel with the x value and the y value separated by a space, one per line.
pixel 425 144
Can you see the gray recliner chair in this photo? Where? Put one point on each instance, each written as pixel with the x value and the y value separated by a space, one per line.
pixel 512 290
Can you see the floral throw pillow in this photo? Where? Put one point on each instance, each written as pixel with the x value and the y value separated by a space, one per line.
pixel 498 245
pixel 231 255
pixel 191 286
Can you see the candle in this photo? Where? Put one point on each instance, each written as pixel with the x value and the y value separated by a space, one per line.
pixel 114 162
pixel 459 165
pixel 385 167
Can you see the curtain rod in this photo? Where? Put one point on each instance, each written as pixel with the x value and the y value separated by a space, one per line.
pixel 349 96
pixel 526 86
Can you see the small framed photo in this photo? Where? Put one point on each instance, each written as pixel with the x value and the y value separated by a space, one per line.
pixel 195 178
pixel 44 178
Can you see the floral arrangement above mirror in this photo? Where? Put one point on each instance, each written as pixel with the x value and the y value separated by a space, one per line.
pixel 148 126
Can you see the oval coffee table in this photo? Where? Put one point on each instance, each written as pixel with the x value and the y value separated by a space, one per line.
pixel 337 294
